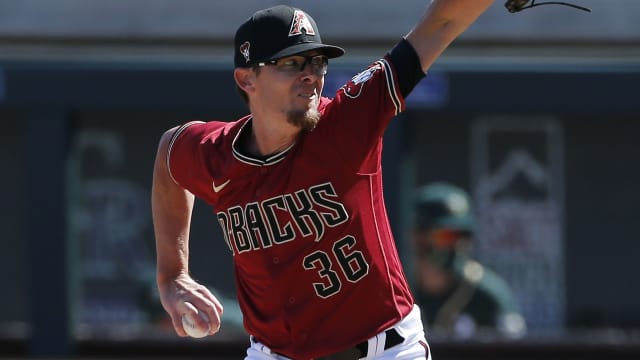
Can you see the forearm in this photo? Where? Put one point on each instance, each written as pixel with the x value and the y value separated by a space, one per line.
pixel 172 236
pixel 172 207
pixel 443 21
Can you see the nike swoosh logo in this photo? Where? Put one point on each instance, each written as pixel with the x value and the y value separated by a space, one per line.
pixel 221 186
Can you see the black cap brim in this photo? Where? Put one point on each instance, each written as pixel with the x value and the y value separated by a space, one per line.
pixel 329 51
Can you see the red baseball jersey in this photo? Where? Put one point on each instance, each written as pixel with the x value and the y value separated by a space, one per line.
pixel 315 262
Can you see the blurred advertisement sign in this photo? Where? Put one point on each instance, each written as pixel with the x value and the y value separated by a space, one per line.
pixel 431 92
pixel 518 191
pixel 109 218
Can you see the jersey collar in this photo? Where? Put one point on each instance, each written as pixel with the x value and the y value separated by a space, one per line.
pixel 250 159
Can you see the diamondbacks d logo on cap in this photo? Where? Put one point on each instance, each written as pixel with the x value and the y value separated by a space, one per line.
pixel 301 22
pixel 244 50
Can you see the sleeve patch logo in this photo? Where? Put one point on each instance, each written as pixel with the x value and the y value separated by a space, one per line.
pixel 244 50
pixel 353 88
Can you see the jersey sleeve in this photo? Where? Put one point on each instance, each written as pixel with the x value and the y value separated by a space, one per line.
pixel 372 96
pixel 185 161
pixel 361 112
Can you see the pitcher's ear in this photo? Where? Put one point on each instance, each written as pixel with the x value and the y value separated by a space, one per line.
pixel 244 78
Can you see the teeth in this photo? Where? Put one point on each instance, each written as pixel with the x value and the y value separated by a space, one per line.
pixel 309 94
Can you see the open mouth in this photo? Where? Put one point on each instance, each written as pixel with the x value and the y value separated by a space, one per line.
pixel 309 95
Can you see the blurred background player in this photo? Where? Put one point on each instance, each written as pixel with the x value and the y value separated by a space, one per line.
pixel 459 296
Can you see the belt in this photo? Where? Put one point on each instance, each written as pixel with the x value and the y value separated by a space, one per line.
pixel 361 350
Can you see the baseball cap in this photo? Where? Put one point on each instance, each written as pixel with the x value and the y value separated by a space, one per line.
pixel 443 205
pixel 278 32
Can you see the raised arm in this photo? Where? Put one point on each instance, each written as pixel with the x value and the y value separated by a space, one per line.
pixel 172 207
pixel 442 22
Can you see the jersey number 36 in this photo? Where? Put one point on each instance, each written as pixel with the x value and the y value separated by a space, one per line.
pixel 350 262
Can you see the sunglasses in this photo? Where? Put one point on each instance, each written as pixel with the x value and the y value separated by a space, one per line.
pixel 294 65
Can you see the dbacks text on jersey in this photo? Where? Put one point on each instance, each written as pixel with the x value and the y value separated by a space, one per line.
pixel 273 221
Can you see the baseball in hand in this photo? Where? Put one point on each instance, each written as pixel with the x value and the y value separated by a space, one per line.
pixel 191 326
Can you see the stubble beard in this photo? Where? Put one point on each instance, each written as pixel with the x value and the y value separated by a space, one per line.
pixel 305 120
